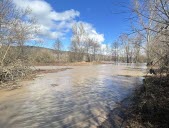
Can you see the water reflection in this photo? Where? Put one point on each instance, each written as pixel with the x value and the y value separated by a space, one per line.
pixel 83 97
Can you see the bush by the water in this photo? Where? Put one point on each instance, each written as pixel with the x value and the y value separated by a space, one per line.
pixel 14 72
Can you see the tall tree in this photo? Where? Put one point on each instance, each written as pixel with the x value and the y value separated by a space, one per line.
pixel 78 41
pixel 58 47
pixel 115 51
pixel 126 46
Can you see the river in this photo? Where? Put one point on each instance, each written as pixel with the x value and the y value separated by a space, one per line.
pixel 80 97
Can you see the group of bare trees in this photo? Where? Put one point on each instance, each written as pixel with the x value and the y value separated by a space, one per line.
pixel 58 48
pixel 83 46
pixel 152 16
pixel 16 27
pixel 127 49
pixel 150 34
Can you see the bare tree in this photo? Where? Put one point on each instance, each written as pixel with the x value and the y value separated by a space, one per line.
pixel 95 46
pixel 58 47
pixel 78 41
pixel 137 43
pixel 115 51
pixel 88 48
pixel 126 46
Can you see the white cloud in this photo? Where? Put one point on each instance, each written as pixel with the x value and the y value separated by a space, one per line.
pixel 92 32
pixel 67 15
pixel 52 24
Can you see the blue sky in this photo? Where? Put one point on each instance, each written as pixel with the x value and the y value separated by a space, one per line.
pixel 97 12
pixel 98 15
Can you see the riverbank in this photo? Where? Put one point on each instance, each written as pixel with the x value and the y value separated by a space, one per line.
pixel 83 63
pixel 147 107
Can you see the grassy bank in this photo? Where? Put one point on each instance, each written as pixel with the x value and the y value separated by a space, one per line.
pixel 82 63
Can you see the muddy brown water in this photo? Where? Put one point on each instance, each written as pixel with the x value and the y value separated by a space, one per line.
pixel 77 98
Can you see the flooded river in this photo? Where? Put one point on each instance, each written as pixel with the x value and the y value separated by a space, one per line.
pixel 80 97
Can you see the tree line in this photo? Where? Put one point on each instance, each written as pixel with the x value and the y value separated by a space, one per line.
pixel 84 48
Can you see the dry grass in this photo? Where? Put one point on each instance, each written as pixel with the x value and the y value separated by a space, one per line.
pixel 150 108
pixel 83 63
